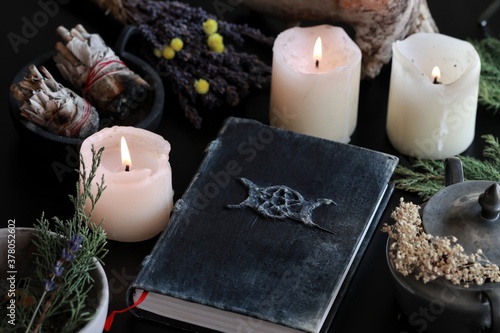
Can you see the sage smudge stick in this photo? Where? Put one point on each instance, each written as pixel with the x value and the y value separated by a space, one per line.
pixel 101 76
pixel 54 107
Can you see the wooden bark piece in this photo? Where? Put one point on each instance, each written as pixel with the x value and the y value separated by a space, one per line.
pixel 377 23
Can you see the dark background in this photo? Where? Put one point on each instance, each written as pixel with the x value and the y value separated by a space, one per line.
pixel 31 184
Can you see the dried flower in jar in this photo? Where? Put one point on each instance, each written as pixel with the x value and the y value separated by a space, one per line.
pixel 427 257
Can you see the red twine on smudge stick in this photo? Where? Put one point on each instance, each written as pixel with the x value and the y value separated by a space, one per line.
pixel 96 72
pixel 78 126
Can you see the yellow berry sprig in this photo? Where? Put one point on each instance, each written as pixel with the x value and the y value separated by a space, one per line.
pixel 215 41
pixel 168 52
pixel 201 86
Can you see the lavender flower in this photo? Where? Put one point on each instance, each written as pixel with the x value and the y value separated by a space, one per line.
pixel 49 285
pixel 58 269
pixel 74 243
pixel 69 252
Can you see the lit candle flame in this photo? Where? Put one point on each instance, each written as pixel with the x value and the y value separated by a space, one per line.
pixel 126 160
pixel 317 52
pixel 436 74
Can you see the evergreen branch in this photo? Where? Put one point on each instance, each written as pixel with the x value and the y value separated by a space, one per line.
pixel 426 177
pixel 489 83
pixel 475 169
pixel 65 255
pixel 492 148
pixel 424 183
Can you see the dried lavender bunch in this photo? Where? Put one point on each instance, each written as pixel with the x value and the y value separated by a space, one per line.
pixel 54 107
pixel 202 65
pixel 427 257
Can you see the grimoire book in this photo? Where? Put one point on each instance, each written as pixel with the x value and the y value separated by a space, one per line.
pixel 268 234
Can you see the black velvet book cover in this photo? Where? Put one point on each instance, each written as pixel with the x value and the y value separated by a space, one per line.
pixel 268 233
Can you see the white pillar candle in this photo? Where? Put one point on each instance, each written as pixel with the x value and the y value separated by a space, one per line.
pixel 136 204
pixel 427 119
pixel 315 96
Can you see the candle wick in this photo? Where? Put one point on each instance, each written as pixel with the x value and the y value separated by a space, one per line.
pixel 317 63
pixel 436 81
pixel 127 167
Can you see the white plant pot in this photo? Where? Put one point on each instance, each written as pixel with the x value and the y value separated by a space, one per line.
pixel 23 254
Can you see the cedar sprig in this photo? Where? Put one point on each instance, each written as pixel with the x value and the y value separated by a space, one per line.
pixel 426 177
pixel 231 74
pixel 65 254
pixel 489 83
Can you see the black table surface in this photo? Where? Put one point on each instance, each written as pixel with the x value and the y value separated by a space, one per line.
pixel 36 181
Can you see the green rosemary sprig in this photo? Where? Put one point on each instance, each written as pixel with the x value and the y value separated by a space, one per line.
pixel 426 177
pixel 489 83
pixel 56 298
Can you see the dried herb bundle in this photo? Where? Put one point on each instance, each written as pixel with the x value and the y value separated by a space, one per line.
pixel 50 105
pixel 206 71
pixel 91 66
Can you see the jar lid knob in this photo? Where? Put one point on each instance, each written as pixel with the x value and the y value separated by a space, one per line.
pixel 490 202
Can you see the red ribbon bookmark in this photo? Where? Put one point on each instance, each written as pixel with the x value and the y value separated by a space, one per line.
pixel 109 320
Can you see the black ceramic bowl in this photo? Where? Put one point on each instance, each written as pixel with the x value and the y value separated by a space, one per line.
pixel 149 120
